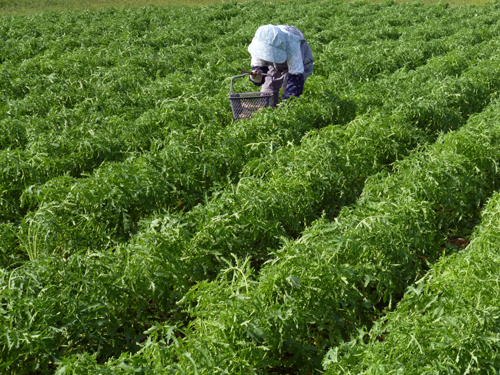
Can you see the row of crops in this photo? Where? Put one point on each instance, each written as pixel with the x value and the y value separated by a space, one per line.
pixel 144 231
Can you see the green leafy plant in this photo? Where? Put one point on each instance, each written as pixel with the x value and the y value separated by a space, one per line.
pixel 445 322
pixel 143 230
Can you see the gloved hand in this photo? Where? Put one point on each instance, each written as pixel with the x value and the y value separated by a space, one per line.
pixel 256 76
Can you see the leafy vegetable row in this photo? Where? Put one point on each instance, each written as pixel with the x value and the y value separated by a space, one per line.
pixel 83 213
pixel 138 110
pixel 117 294
pixel 328 170
pixel 339 276
pixel 109 98
pixel 447 321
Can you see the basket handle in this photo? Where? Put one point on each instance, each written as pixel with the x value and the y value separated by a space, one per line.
pixel 231 89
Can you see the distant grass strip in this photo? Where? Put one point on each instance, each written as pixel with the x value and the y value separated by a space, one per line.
pixel 12 7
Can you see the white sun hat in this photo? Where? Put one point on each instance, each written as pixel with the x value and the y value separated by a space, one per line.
pixel 269 44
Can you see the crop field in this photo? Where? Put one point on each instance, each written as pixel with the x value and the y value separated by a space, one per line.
pixel 354 230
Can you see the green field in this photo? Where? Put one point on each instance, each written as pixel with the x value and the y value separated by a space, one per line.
pixel 352 230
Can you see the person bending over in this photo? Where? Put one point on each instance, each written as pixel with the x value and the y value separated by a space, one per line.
pixel 283 53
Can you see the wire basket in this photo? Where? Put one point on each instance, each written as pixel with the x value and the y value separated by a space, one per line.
pixel 244 105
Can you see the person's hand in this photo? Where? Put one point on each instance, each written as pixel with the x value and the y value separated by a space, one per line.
pixel 256 76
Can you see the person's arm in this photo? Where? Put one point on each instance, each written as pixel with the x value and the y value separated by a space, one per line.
pixel 260 69
pixel 260 66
